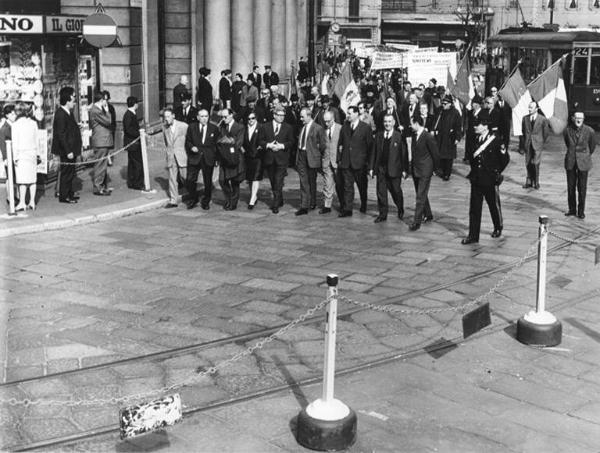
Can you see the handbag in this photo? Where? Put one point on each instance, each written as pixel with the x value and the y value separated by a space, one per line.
pixel 227 153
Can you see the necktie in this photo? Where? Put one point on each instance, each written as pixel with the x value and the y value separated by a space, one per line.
pixel 276 129
pixel 329 133
pixel 303 139
pixel 202 134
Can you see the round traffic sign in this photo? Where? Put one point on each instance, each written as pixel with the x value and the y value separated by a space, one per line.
pixel 100 30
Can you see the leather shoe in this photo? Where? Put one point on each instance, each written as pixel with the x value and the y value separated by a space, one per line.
pixel 313 206
pixel 570 213
pixel 170 205
pixel 469 240
pixel 301 211
pixel 324 210
pixel 536 186
pixel 527 185
pixel 345 214
pixel 102 193
pixel 401 215
pixel 275 210
pixel 67 200
pixel 414 226
pixel 205 206
pixel 280 204
pixel 192 204
pixel 427 218
pixel 581 215
pixel 380 219
pixel 497 233
pixel 363 208
pixel 250 207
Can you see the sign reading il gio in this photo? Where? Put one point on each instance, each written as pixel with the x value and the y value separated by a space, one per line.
pixel 64 24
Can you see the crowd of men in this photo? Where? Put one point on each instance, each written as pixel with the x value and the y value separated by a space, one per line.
pixel 249 130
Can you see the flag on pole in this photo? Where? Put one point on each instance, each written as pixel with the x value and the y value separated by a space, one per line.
pixel 449 81
pixel 346 89
pixel 515 93
pixel 464 89
pixel 549 92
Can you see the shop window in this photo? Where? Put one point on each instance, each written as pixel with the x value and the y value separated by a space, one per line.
pixel 580 70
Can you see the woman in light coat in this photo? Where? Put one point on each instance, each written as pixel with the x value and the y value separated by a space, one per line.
pixel 25 155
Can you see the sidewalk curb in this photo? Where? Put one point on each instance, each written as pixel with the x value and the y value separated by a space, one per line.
pixel 85 218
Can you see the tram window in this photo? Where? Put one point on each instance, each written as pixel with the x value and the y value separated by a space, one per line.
pixel 595 70
pixel 580 71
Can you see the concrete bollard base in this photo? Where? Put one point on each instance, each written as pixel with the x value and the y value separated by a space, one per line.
pixel 326 435
pixel 546 333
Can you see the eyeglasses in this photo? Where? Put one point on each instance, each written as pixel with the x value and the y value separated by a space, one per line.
pixel 251 117
pixel 224 116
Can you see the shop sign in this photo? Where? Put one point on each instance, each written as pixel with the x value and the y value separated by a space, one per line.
pixel 64 24
pixel 18 24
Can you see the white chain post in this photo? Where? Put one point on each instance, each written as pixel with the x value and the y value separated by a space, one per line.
pixel 540 327
pixel 327 424
pixel 10 179
pixel 143 144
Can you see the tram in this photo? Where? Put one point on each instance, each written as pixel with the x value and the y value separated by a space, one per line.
pixel 538 49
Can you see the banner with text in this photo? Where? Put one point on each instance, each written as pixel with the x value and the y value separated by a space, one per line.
pixel 422 66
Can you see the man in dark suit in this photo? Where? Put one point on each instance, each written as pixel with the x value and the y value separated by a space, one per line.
pixel 201 147
pixel 356 141
pixel 277 139
pixel 255 77
pixel 270 77
pixel 66 143
pixel 131 134
pixel 476 112
pixel 231 159
pixel 425 157
pixel 389 161
pixel 9 116
pixel 448 132
pixel 225 88
pixel 505 118
pixel 581 143
pixel 311 147
pixel 179 90
pixel 186 111
pixel 487 164
pixel 204 95
pixel 535 130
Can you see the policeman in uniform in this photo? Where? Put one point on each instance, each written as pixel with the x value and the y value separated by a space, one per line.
pixel 487 164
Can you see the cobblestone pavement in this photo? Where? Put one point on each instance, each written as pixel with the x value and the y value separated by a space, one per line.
pixel 115 290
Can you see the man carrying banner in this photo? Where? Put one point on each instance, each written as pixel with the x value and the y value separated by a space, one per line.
pixel 487 164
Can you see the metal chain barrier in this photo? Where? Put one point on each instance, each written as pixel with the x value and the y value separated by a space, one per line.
pixel 571 241
pixel 93 161
pixel 464 307
pixel 193 379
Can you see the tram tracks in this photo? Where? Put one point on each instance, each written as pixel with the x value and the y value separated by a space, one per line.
pixel 237 339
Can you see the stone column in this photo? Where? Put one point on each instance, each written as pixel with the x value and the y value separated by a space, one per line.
pixel 278 37
pixel 302 41
pixel 291 35
pixel 262 33
pixel 242 34
pixel 217 39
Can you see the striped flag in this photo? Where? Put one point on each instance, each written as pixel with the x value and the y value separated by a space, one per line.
pixel 515 93
pixel 549 92
pixel 346 89
pixel 464 89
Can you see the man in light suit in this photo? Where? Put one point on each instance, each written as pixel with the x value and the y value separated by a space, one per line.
pixel 102 141
pixel 535 133
pixel 277 139
pixel 311 148
pixel 581 143
pixel 389 161
pixel 201 147
pixel 329 164
pixel 174 133
pixel 425 158
pixel 354 150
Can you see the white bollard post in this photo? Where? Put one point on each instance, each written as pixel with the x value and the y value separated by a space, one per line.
pixel 327 424
pixel 10 179
pixel 147 188
pixel 540 327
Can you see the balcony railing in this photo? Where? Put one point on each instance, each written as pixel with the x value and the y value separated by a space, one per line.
pixel 390 6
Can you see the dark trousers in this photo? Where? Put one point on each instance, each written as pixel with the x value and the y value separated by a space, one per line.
pixel 349 177
pixel 446 167
pixel 192 181
pixel 422 208
pixel 276 177
pixel 576 181
pixel 394 186
pixel 231 190
pixel 135 168
pixel 207 177
pixel 492 198
pixel 533 174
pixel 308 181
pixel 67 174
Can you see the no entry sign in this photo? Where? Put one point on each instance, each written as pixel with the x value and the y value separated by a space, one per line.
pixel 100 30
